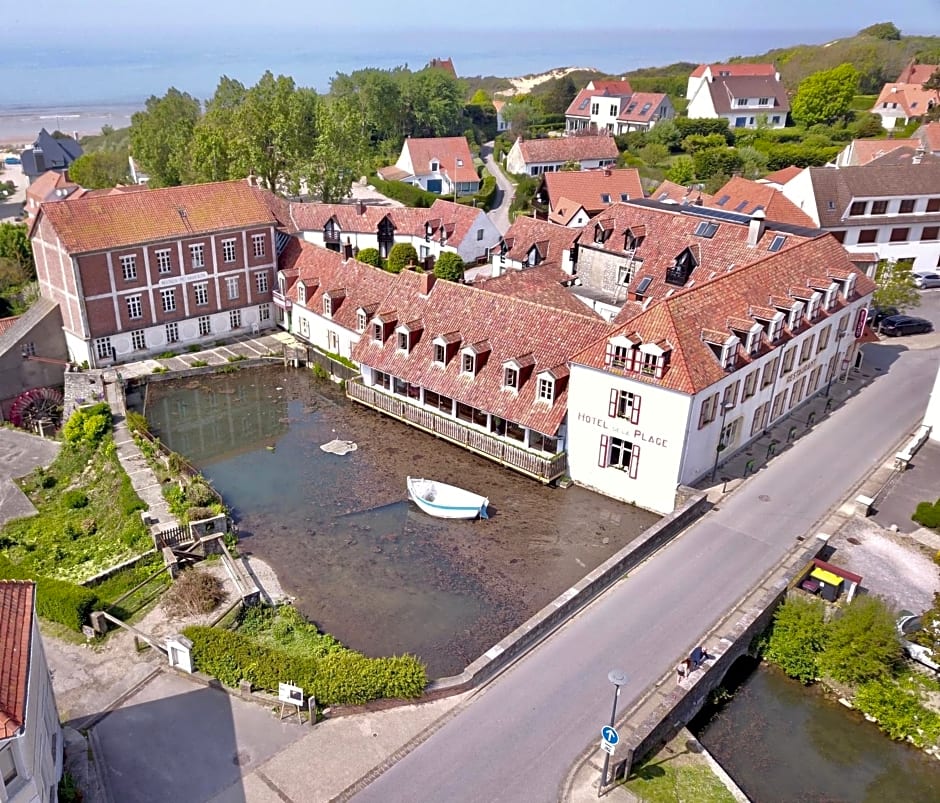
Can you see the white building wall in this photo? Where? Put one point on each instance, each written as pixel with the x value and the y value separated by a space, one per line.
pixel 658 432
pixel 701 103
pixel 799 190
pixel 932 416
pixel 316 329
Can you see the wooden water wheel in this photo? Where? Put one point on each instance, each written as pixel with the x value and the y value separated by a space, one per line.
pixel 37 405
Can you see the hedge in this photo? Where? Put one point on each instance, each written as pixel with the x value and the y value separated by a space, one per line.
pixel 407 194
pixel 341 677
pixel 59 601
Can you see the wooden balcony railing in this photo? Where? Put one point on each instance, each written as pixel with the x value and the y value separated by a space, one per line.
pixel 542 467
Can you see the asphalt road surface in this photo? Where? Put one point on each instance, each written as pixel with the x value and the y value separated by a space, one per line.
pixel 517 739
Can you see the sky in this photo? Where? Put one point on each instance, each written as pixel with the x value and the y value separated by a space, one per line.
pixel 102 19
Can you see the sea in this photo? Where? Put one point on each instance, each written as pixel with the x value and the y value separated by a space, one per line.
pixel 79 87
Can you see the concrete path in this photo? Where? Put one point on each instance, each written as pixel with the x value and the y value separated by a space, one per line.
pixel 20 453
pixel 505 192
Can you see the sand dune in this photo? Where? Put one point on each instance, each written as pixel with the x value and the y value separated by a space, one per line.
pixel 525 84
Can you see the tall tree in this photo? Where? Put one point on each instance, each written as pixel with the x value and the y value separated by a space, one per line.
pixel 340 155
pixel 100 169
pixel 15 246
pixel 433 103
pixel 212 153
pixel 895 285
pixel 161 136
pixel 449 266
pixel 825 96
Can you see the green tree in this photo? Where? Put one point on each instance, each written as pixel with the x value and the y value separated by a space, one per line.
pixel 401 256
pixel 370 256
pixel 711 161
pixel 654 154
pixel 449 266
pixel 433 104
pixel 558 95
pixel 15 246
pixel 161 135
pixel 882 30
pixel 867 125
pixel 798 637
pixel 698 142
pixel 682 170
pixel 340 155
pixel 480 98
pixel 754 162
pixel 895 285
pixel 929 635
pixel 825 96
pixel 211 150
pixel 519 116
pixel 862 643
pixel 933 82
pixel 665 133
pixel 100 169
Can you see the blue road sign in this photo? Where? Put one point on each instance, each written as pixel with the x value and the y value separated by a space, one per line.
pixel 610 735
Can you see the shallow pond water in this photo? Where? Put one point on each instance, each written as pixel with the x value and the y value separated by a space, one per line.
pixel 361 560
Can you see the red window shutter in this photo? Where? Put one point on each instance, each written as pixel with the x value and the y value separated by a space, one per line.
pixel 602 455
pixel 634 461
pixel 609 355
pixel 635 413
pixel 614 398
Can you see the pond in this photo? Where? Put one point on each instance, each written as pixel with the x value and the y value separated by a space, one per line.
pixel 361 560
pixel 782 741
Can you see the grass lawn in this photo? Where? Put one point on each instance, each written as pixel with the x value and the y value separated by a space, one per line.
pixel 683 783
pixel 88 516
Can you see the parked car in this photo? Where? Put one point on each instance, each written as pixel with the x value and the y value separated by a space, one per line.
pixel 878 314
pixel 926 280
pixel 12 160
pixel 909 623
pixel 896 325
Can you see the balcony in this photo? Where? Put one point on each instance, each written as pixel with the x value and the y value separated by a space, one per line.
pixel 540 467
pixel 280 300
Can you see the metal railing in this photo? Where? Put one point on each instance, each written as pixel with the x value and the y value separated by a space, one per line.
pixel 541 467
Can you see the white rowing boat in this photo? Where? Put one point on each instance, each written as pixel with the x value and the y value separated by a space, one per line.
pixel 446 501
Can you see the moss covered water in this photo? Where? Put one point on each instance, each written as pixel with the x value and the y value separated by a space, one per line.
pixel 362 561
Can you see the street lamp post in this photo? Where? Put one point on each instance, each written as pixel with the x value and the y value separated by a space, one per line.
pixel 835 367
pixel 724 411
pixel 618 677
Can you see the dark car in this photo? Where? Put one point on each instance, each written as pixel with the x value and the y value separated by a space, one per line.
pixel 895 325
pixel 878 314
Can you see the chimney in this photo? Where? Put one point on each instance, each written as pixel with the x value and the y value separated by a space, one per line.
pixel 347 250
pixel 427 282
pixel 361 207
pixel 755 229
pixel 606 171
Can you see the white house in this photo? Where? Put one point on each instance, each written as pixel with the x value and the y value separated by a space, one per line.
pixel 906 99
pixel 437 164
pixel 614 107
pixel 743 94
pixel 892 210
pixel 530 242
pixel 532 157
pixel 444 227
pixel 566 192
pixel 676 388
pixel 30 734
pixel 501 123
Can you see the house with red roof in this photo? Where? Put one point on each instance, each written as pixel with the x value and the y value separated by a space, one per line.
pixel 563 193
pixel 50 186
pixel 437 164
pixel 138 273
pixel 746 197
pixel 672 390
pixel 532 157
pixel 614 107
pixel 326 298
pixel 530 242
pixel 444 227
pixel 743 94
pixel 501 123
pixel 30 735
pixel 485 370
pixel 899 103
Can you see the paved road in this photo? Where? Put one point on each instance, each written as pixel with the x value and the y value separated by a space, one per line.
pixel 516 740
pixel 499 214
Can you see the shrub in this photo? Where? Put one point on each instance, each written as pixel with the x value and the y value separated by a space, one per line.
pixel 237 358
pixel 198 364
pixel 487 194
pixel 862 643
pixel 136 423
pixel 927 514
pixel 127 500
pixel 401 255
pixel 160 369
pixel 194 592
pixel 88 424
pixel 74 499
pixel 370 256
pixel 199 494
pixel 449 266
pixel 797 637
pixel 319 371
pixel 899 712
pixel 56 600
pixel 408 194
pixel 166 355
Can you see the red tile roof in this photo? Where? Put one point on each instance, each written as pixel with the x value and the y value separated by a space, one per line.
pixel 46 186
pixel 16 630
pixel 324 271
pixel 448 151
pixel 564 210
pixel 503 327
pixel 913 99
pixel 568 149
pixel 746 197
pixel 783 175
pixel 115 221
pixel 915 73
pixel 588 187
pixel 735 69
pixel 640 107
pixel 670 191
pixel 444 64
pixel 552 240
pixel 863 151
pixel 7 323
pixel 543 284
pixel 581 105
pixel 612 87
pixel 929 135
pixel 679 321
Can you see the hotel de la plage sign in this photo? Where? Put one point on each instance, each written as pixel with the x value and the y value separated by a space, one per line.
pixel 170 281
pixel 622 429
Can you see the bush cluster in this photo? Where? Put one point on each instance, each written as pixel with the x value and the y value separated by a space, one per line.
pixel 927 514
pixel 88 424
pixel 408 194
pixel 59 601
pixel 339 677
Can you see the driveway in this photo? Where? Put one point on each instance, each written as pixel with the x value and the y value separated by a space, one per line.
pixel 505 191
pixel 20 453
pixel 12 207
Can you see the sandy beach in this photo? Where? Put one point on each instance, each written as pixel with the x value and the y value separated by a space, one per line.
pixel 19 125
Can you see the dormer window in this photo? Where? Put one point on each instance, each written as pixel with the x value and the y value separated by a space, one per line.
pixel 301 293
pixel 428 232
pixel 362 320
pixel 729 353
pixel 775 327
pixel 440 354
pixel 510 378
pixel 468 363
pixel 435 166
pixel 813 309
pixel 600 234
pixel 796 315
pixel 752 345
pixel 849 286
pixel 680 272
pixel 378 332
pixel 546 388
pixel 404 341
pixel 830 299
pixel 533 258
pixel 327 306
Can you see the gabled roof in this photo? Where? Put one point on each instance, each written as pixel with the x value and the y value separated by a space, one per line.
pixel 115 221
pixel 640 107
pixel 551 238
pixel 564 210
pixel 568 149
pixel 783 175
pixel 448 151
pixel 913 99
pixel 929 136
pixel 357 284
pixel 915 73
pixel 680 319
pixel 509 327
pixel 840 186
pixel 588 188
pixel 16 630
pixel 863 151
pixel 49 153
pixel 444 64
pixel 725 91
pixel 544 284
pixel 676 193
pixel 746 197
pixel 51 186
pixel 735 69
pixel 581 105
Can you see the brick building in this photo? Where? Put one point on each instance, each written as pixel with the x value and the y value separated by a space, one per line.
pixel 145 272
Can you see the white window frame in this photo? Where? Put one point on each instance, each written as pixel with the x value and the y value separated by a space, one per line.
pixel 510 378
pixel 327 306
pixel 625 450
pixel 257 245
pixel 261 281
pixel 546 389
pixel 440 354
pixel 201 293
pixel 235 319
pixel 231 288
pixel 468 363
pixel 135 309
pixel 362 321
pixel 164 260
pixel 129 267
pixel 138 340
pixel 205 325
pixel 168 299
pixel 172 331
pixel 403 340
pixel 264 312
pixel 103 348
pixel 228 250
pixel 197 255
